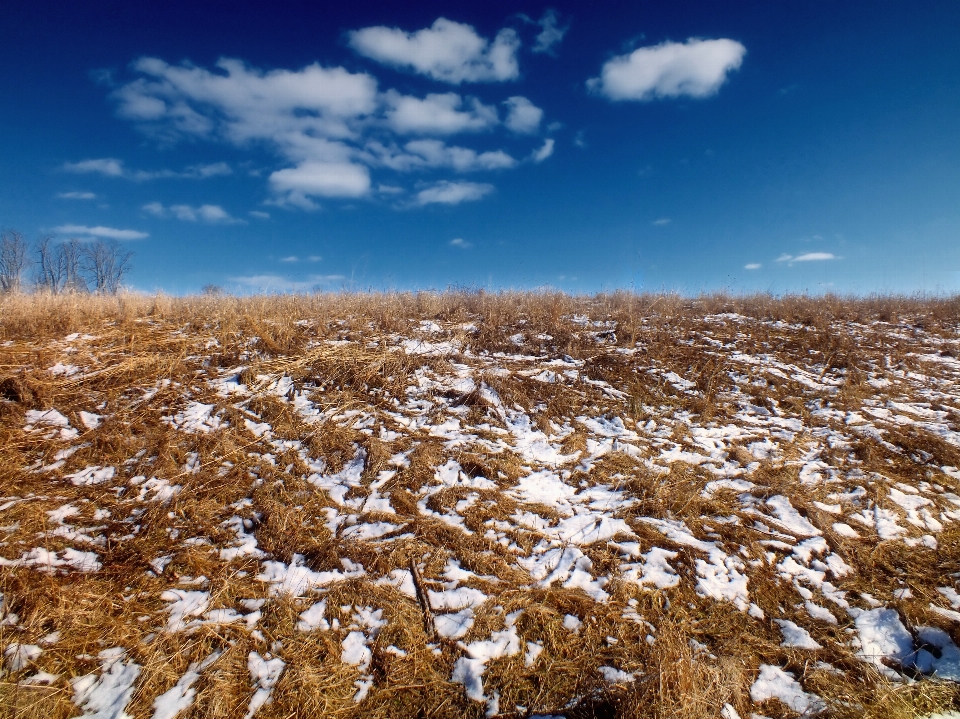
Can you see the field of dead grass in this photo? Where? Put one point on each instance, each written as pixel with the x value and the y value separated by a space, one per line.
pixel 463 503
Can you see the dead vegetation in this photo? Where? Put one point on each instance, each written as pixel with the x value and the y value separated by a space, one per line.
pixel 385 375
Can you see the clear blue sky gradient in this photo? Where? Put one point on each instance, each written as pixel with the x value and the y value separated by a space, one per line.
pixel 838 136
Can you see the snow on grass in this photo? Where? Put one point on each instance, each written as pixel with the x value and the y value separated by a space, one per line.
pixel 265 673
pixel 774 683
pixel 106 696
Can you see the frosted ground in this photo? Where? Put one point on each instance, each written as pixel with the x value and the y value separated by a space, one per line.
pixel 348 516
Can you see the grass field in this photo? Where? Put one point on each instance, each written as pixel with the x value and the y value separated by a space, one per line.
pixel 466 504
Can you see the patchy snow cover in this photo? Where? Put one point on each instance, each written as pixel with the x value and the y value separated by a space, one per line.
pixel 774 683
pixel 106 696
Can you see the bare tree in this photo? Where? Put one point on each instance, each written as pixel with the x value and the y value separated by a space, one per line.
pixel 106 263
pixel 58 266
pixel 13 260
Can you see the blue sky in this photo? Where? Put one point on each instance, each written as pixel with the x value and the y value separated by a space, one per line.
pixel 687 146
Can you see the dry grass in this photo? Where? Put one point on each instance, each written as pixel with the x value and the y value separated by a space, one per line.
pixel 342 351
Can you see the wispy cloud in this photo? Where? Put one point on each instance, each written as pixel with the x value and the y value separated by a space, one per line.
pixel 461 243
pixel 109 233
pixel 544 151
pixel 277 283
pixel 752 266
pixel 213 214
pixel 808 257
pixel 112 167
pixel 661 221
pixel 259 214
pixel 551 33
pixel 453 193
pixel 76 195
pixel 447 51
pixel 696 68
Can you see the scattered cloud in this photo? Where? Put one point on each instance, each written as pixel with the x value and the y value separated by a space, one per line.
pixel 314 258
pixel 389 189
pixel 329 126
pixel 295 258
pixel 453 193
pixel 76 195
pixel 696 68
pixel 808 257
pixel 523 117
pixel 111 167
pixel 320 179
pixel 259 214
pixel 752 266
pixel 661 221
pixel 437 114
pixel 291 258
pixel 447 51
pixel 461 243
pixel 213 214
pixel 109 233
pixel 579 140
pixel 103 166
pixel 550 33
pixel 543 152
pixel 276 283
pixel 419 154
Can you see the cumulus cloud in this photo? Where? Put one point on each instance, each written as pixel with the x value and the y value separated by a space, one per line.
pixel 752 266
pixel 447 51
pixel 213 214
pixel 109 233
pixel 522 115
pixel 696 68
pixel 320 179
pixel 76 195
pixel 328 126
pixel 550 33
pixel 437 114
pixel 277 283
pixel 461 243
pixel 422 154
pixel 111 167
pixel 544 151
pixel 453 193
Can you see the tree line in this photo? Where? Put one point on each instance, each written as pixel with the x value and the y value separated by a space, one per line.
pixel 60 267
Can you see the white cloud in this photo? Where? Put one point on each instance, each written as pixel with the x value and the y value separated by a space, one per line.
pixel 276 283
pixel 542 153
pixel 447 51
pixel 661 221
pixel 522 115
pixel 314 258
pixel 752 266
pixel 419 154
pixel 437 114
pixel 291 258
pixel 109 233
pixel 808 257
pixel 320 179
pixel 77 195
pixel 453 193
pixel 328 126
pixel 550 33
pixel 696 68
pixel 213 214
pixel 260 215
pixel 104 166
pixel 461 243
pixel 111 167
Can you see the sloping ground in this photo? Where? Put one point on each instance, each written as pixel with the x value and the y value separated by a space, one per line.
pixel 461 505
